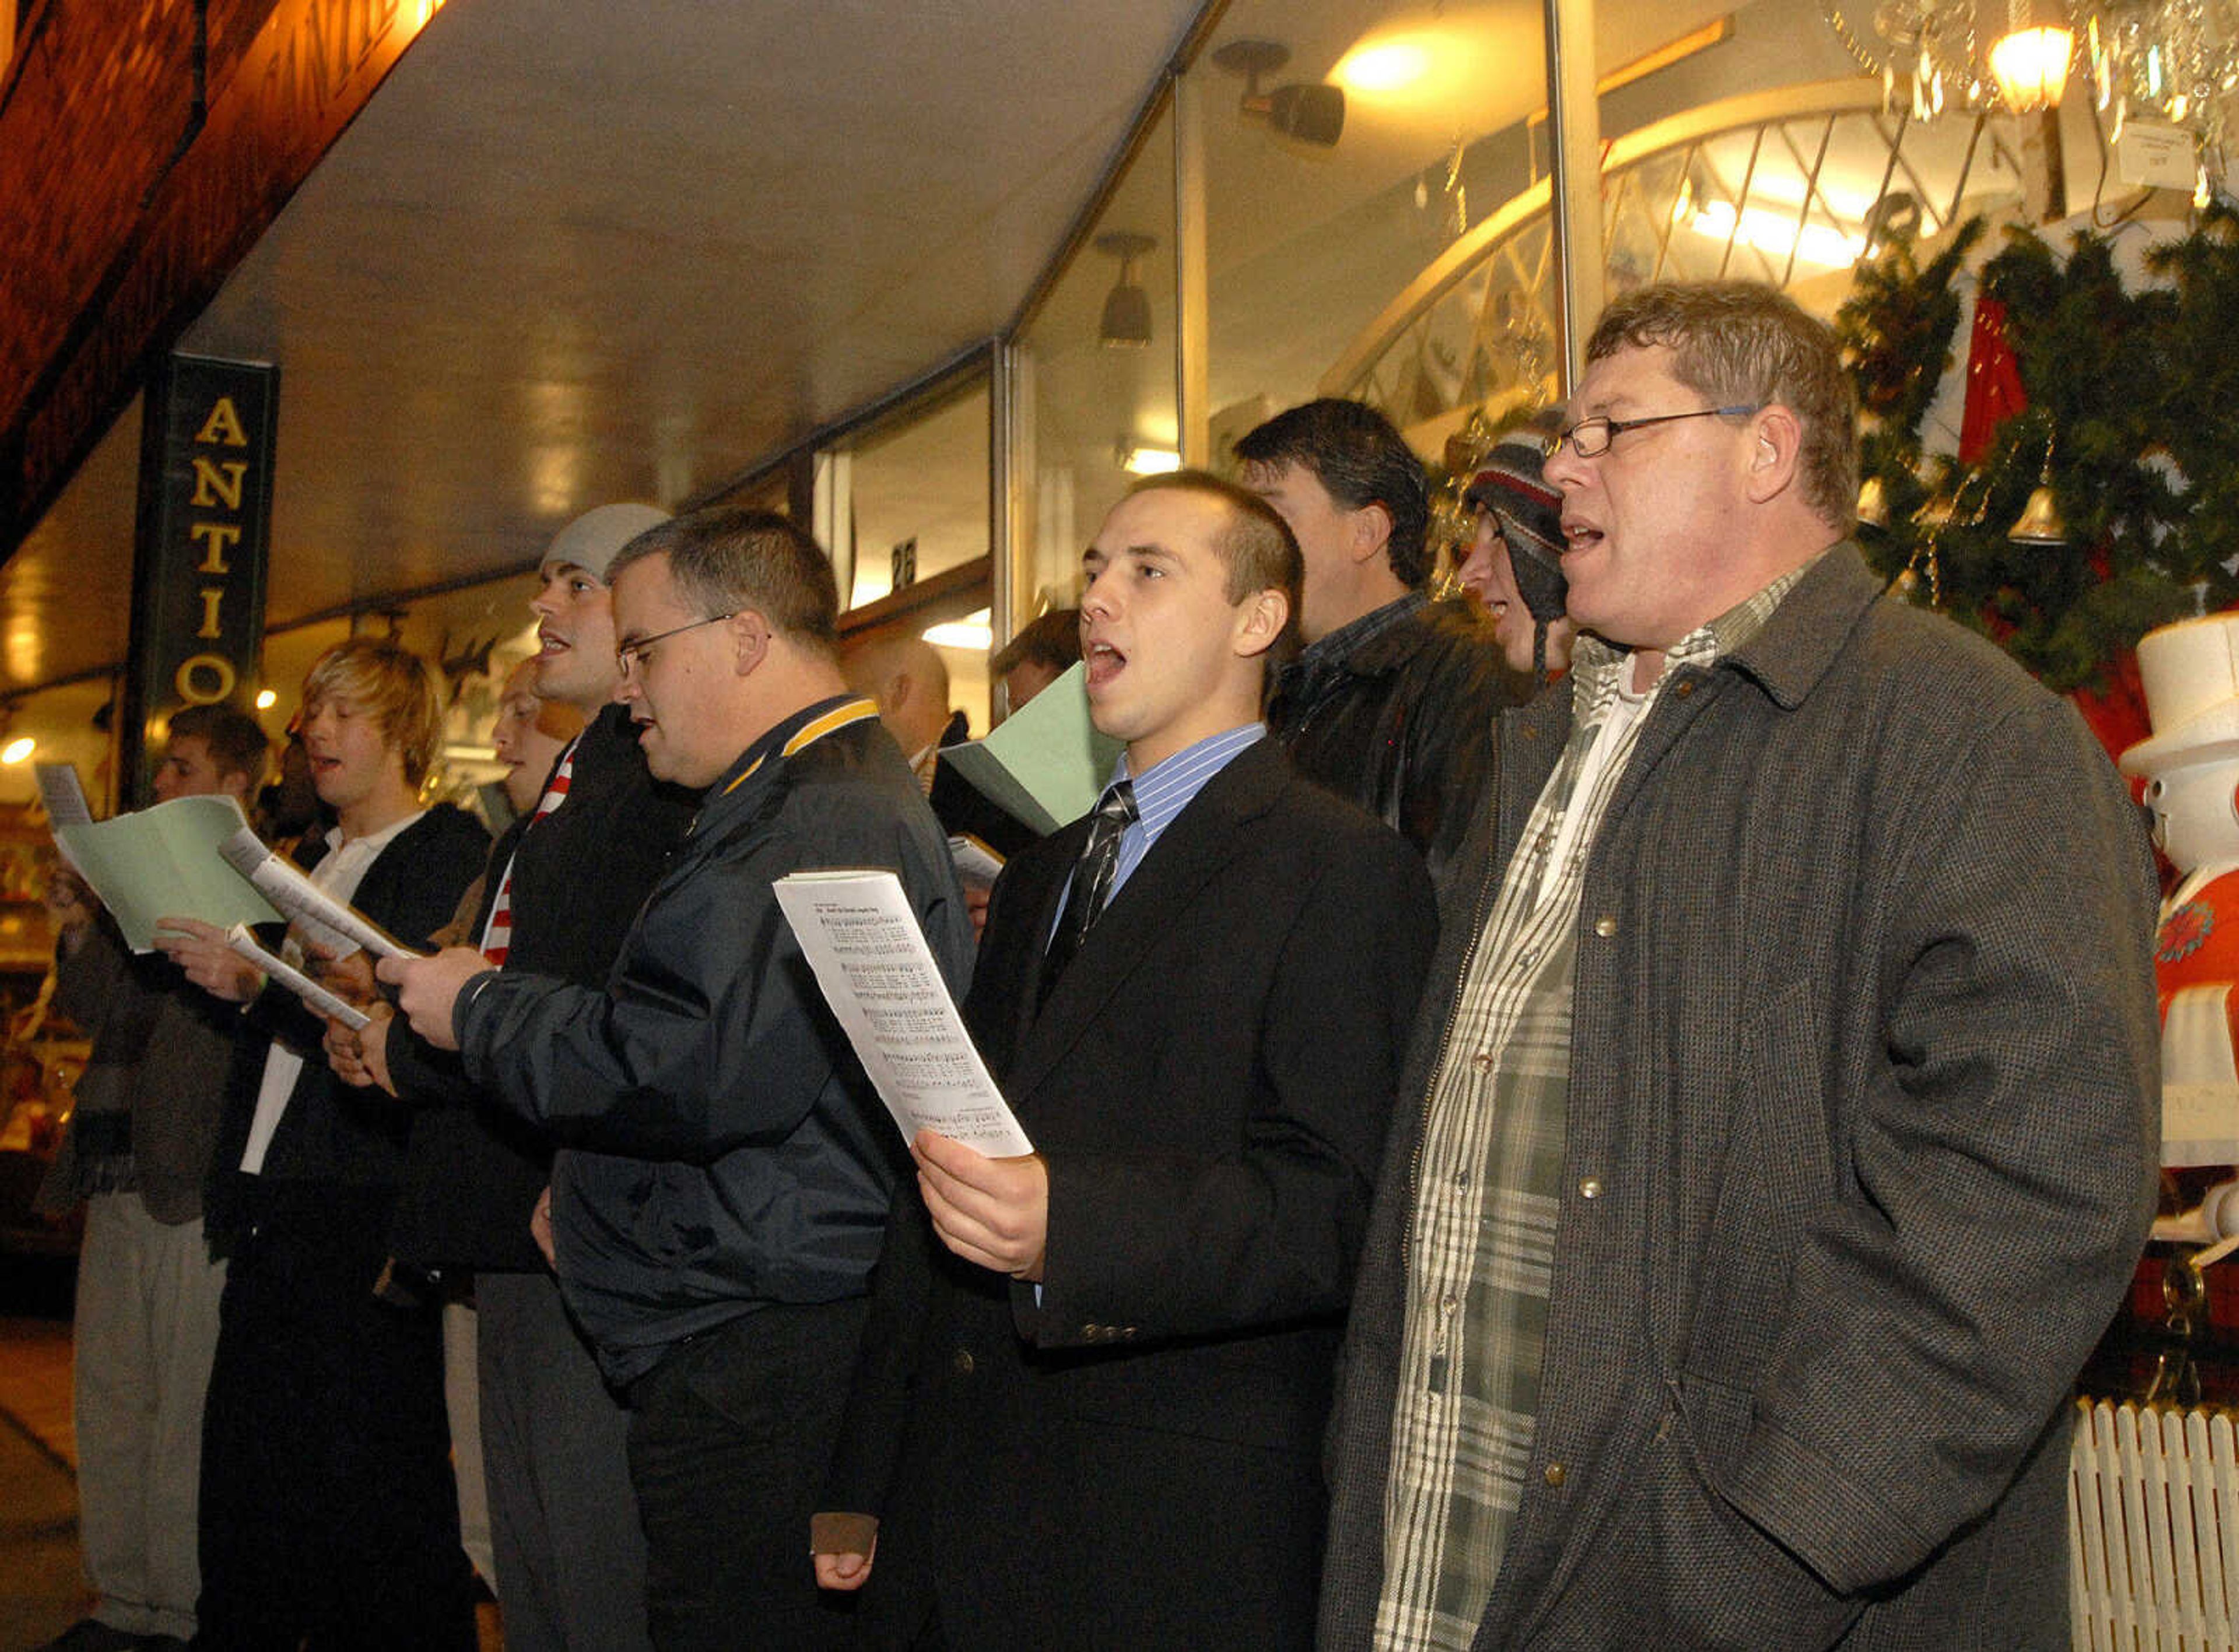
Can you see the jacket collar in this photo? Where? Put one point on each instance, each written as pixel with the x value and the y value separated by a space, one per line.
pixel 740 791
pixel 1371 646
pixel 1791 653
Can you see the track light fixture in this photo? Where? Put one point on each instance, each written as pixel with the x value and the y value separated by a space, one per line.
pixel 1307 111
pixel 1126 324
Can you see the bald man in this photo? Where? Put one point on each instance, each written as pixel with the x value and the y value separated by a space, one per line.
pixel 909 680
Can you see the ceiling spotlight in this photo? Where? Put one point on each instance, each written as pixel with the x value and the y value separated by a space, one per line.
pixel 1126 324
pixel 1306 111
pixel 17 749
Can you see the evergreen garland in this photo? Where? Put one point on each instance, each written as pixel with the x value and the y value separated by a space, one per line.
pixel 2137 395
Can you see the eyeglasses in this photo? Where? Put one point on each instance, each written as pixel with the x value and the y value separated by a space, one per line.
pixel 1590 438
pixel 634 656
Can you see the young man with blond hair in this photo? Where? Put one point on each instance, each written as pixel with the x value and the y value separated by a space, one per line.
pixel 329 1511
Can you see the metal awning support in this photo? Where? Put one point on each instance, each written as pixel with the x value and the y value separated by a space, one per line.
pixel 1575 145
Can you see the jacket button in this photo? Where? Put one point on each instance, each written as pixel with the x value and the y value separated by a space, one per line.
pixel 1683 688
pixel 1590 1188
pixel 1605 926
pixel 1555 1474
pixel 962 1361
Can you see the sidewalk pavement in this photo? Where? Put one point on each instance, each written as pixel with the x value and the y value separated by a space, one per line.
pixel 40 1591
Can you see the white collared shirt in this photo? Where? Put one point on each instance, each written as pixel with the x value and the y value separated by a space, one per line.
pixel 339 872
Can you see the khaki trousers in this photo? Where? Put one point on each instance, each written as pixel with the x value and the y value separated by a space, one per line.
pixel 147 1325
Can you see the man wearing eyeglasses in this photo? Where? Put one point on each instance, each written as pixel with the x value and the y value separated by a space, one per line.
pixel 729 1167
pixel 1780 1126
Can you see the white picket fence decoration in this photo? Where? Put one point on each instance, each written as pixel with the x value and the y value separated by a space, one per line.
pixel 2153 1529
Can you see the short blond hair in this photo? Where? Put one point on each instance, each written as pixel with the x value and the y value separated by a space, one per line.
pixel 392 683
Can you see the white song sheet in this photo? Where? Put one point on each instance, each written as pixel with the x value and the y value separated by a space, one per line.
pixel 871 959
pixel 320 1000
pixel 324 923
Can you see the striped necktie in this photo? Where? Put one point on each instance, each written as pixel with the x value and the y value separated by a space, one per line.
pixel 1093 878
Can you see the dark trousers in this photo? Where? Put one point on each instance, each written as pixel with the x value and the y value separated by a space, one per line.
pixel 329 1515
pixel 728 1447
pixel 563 1519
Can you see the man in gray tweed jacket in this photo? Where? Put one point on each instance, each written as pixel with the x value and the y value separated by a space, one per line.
pixel 1780 1133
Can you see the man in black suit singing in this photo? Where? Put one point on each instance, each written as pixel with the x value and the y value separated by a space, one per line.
pixel 1092 1388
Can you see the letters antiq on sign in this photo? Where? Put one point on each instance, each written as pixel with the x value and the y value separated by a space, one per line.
pixel 207 449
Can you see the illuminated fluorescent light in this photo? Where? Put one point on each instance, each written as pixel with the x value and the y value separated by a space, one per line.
pixel 974 631
pixel 1775 234
pixel 1150 461
pixel 17 749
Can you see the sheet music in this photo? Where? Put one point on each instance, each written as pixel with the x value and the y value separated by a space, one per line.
pixel 316 997
pixel 977 866
pixel 1047 764
pixel 62 795
pixel 871 959
pixel 162 862
pixel 325 923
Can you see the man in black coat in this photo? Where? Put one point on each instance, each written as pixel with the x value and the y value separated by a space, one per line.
pixel 329 1510
pixel 572 873
pixel 1391 703
pixel 1089 1414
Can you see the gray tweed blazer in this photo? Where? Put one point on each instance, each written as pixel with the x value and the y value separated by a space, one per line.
pixel 1865 1061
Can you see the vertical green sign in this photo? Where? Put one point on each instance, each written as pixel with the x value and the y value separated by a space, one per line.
pixel 200 546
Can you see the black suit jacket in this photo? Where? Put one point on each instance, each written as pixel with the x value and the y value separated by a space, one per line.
pixel 330 1136
pixel 1131 1461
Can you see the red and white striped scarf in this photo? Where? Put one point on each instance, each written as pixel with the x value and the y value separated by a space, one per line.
pixel 497 935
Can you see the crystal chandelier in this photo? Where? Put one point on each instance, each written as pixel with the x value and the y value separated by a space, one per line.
pixel 2165 60
pixel 2162 61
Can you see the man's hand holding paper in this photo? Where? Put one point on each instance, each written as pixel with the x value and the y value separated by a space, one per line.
pixel 206 956
pixel 429 988
pixel 993 1211
pixel 360 1056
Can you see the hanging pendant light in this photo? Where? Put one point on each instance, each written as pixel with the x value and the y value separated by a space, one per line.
pixel 2030 60
pixel 1126 321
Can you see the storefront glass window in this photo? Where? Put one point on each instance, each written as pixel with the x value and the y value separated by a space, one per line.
pixel 1095 378
pixel 1313 234
pixel 903 506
